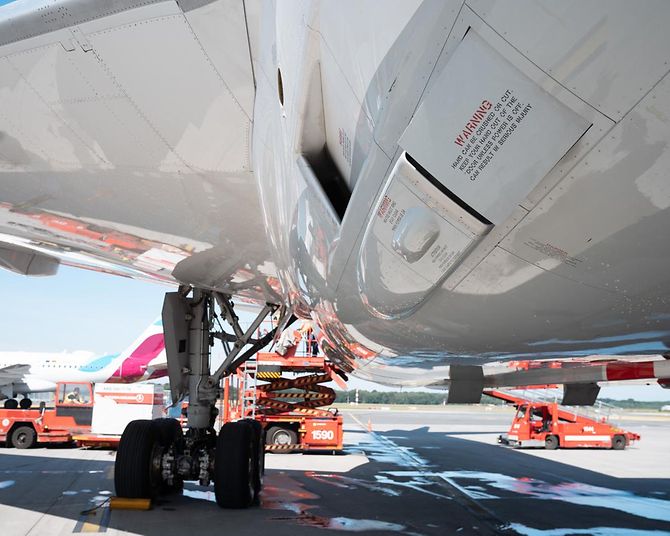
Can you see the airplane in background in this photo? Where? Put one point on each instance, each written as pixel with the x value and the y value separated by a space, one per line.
pixel 456 193
pixel 33 372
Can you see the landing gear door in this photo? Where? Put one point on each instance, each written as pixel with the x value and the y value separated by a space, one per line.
pixel 175 330
pixel 488 133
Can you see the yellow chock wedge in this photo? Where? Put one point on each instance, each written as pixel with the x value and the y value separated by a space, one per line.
pixel 123 503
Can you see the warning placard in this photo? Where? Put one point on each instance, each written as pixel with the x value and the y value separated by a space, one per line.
pixel 488 132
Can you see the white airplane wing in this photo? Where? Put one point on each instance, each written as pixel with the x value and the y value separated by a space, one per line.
pixel 13 373
pixel 139 119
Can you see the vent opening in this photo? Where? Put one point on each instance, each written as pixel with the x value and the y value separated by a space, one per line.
pixel 280 87
pixel 315 150
pixel 330 179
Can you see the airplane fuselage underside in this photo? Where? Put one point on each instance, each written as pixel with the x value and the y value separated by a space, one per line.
pixel 434 183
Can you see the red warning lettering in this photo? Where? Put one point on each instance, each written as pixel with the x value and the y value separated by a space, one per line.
pixel 475 120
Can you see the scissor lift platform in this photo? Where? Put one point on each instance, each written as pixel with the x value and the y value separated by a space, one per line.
pixel 291 409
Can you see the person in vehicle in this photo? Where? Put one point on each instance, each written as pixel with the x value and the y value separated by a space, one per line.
pixel 74 397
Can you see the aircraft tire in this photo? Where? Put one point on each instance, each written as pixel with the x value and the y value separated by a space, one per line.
pixel 258 457
pixel 25 403
pixel 170 433
pixel 24 437
pixel 551 442
pixel 234 466
pixel 11 403
pixel 618 442
pixel 132 471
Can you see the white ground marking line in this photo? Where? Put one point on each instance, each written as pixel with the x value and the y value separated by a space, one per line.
pixel 391 452
pixel 467 498
pixel 567 490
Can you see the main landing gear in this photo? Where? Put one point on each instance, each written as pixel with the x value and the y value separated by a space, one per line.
pixel 156 457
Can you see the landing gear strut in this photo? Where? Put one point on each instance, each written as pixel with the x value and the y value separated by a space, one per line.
pixel 155 457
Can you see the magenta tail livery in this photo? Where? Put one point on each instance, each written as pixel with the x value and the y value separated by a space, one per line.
pixel 29 372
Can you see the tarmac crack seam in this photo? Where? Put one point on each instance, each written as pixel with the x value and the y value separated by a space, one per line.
pixel 455 492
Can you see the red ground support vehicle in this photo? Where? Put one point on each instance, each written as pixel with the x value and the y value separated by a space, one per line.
pixel 548 425
pixel 290 409
pixel 73 412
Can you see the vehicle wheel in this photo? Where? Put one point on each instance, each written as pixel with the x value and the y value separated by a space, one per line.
pixel 24 437
pixel 234 475
pixel 258 457
pixel 551 442
pixel 134 474
pixel 278 435
pixel 25 403
pixel 170 434
pixel 11 403
pixel 618 442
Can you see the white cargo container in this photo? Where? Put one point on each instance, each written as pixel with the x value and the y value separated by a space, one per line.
pixel 116 404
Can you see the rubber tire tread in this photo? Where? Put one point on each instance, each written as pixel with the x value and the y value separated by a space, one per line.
pixel 259 457
pixel 553 444
pixel 131 471
pixel 32 435
pixel 234 446
pixel 618 442
pixel 25 403
pixel 168 430
pixel 11 403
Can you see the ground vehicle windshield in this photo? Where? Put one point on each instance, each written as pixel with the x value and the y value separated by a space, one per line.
pixel 520 412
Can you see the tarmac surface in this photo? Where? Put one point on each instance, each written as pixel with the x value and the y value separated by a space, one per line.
pixel 415 473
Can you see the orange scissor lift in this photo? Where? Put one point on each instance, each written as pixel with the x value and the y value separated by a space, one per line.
pixel 287 396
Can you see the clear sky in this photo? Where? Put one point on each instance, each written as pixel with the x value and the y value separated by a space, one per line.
pixel 75 310
pixel 84 310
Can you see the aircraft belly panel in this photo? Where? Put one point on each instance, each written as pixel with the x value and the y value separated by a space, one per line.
pixel 474 136
pixel 415 236
pixel 357 35
pixel 125 145
pixel 226 46
pixel 186 109
pixel 486 131
pixel 126 140
pixel 604 225
pixel 610 54
pixel 504 301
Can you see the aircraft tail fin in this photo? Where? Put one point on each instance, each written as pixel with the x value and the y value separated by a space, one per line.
pixel 149 343
pixel 135 359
